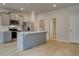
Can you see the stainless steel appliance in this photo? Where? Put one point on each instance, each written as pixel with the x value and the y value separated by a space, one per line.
pixel 14 31
pixel 28 26
pixel 14 22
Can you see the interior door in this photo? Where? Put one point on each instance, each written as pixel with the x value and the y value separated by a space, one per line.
pixel 52 26
pixel 74 29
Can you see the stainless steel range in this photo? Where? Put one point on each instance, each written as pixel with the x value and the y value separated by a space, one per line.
pixel 14 31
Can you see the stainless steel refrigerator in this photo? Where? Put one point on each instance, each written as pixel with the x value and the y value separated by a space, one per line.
pixel 28 26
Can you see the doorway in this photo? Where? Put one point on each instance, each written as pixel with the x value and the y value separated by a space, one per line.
pixel 52 29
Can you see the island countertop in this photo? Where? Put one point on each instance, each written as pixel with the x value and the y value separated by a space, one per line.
pixel 29 32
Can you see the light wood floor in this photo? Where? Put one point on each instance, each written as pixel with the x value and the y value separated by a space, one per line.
pixel 51 48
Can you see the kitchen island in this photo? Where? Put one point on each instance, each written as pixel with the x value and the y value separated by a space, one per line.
pixel 26 40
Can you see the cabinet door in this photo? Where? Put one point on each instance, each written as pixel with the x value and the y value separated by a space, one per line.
pixel 17 17
pixel 13 16
pixel 21 19
pixel 5 19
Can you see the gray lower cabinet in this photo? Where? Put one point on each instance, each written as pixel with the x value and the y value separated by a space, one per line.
pixel 5 36
pixel 1 37
pixel 5 19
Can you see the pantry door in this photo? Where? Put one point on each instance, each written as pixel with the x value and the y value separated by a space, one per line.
pixel 74 29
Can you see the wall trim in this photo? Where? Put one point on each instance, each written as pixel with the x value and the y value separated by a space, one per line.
pixel 63 40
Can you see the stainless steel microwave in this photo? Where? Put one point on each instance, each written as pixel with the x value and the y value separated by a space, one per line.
pixel 14 22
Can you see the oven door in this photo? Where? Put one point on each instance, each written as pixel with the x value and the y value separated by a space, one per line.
pixel 14 34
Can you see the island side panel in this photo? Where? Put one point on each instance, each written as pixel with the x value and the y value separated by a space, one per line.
pixel 34 39
pixel 20 41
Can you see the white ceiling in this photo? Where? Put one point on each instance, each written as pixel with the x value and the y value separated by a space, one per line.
pixel 37 7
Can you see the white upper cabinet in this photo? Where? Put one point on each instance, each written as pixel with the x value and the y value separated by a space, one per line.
pixel 21 19
pixel 14 16
pixel 5 19
pixel 17 17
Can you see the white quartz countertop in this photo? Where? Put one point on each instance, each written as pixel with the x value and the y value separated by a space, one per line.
pixel 32 32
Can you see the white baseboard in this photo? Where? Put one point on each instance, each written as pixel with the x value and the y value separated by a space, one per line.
pixel 74 42
pixel 63 40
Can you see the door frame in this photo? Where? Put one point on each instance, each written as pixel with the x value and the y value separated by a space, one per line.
pixel 50 28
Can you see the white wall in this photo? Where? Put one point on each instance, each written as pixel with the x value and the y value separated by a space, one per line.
pixel 62 19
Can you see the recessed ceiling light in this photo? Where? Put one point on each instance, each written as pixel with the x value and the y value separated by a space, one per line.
pixel 4 3
pixel 22 9
pixel 54 5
